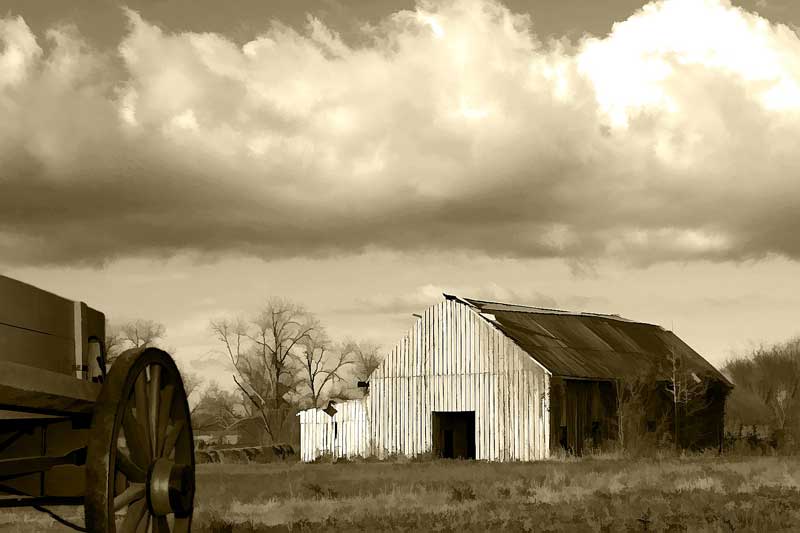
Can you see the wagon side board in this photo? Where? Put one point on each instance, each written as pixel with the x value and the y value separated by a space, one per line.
pixel 45 331
pixel 27 389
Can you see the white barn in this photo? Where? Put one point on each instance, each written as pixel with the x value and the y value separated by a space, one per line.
pixel 452 376
pixel 494 381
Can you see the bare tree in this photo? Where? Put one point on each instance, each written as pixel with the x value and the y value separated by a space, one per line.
pixel 218 407
pixel 262 353
pixel 248 375
pixel 687 389
pixel 133 334
pixel 191 383
pixel 280 328
pixel 139 333
pixel 321 363
pixel 113 342
pixel 366 359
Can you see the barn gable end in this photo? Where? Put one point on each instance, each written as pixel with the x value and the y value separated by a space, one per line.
pixel 454 360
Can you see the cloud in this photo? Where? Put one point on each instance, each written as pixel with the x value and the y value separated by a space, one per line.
pixel 425 296
pixel 452 128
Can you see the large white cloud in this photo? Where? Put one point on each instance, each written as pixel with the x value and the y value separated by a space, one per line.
pixel 454 128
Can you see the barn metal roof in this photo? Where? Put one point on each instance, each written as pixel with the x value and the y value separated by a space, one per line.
pixel 591 345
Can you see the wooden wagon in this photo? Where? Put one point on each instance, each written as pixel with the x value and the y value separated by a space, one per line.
pixel 117 441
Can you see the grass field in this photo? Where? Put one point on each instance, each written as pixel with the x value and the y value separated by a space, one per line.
pixel 699 493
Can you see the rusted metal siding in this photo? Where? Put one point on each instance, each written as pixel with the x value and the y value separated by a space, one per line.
pixel 345 434
pixel 453 359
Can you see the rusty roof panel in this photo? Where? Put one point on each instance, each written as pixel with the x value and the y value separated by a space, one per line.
pixel 572 330
pixel 614 337
pixel 588 345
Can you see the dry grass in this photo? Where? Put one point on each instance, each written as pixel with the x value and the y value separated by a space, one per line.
pixel 668 494
pixel 697 493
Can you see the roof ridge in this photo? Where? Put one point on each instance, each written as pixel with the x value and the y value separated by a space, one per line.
pixel 612 316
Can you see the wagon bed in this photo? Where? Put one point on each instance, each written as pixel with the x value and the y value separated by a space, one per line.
pixel 117 441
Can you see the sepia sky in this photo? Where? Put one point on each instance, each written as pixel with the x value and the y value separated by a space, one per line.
pixel 182 160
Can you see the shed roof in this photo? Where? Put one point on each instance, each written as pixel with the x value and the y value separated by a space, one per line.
pixel 591 345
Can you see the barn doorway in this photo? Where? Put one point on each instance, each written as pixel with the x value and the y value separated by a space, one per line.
pixel 454 434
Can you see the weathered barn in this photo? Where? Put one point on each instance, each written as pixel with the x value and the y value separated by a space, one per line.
pixel 504 382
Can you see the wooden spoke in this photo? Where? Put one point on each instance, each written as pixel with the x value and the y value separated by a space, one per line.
pixel 161 525
pixel 134 492
pixel 132 518
pixel 180 524
pixel 120 482
pixel 131 470
pixel 171 438
pixel 134 440
pixel 154 396
pixel 144 524
pixel 140 394
pixel 163 417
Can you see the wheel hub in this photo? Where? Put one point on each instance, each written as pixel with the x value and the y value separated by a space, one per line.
pixel 170 488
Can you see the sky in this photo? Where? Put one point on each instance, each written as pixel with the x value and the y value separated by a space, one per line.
pixel 184 161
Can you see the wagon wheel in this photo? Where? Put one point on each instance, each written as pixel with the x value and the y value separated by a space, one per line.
pixel 140 461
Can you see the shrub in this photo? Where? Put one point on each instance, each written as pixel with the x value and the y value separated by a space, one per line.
pixel 460 493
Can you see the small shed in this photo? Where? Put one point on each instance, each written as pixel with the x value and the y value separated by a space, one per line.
pixel 502 382
pixel 339 430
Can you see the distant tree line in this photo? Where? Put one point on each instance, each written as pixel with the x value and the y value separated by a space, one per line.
pixel 763 410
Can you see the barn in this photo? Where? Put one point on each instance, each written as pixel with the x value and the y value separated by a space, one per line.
pixel 505 382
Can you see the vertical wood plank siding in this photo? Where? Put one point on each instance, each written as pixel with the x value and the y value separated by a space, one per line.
pixel 452 359
pixel 345 434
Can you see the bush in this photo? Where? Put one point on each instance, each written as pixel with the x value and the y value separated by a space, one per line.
pixel 460 493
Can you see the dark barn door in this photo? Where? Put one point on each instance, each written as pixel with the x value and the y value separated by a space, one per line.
pixel 454 434
pixel 581 414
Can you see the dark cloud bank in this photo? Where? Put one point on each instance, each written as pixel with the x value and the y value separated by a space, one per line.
pixel 454 128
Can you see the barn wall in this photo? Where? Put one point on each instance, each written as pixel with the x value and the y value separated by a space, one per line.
pixel 583 412
pixel 455 360
pixel 345 434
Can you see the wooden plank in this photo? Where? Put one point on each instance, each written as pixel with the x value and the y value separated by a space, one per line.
pixel 487 388
pixel 456 353
pixel 380 417
pixel 36 349
pixel 422 391
pixel 546 416
pixel 37 328
pixel 429 384
pixel 515 415
pixel 463 333
pixel 411 412
pixel 504 401
pixel 533 415
pixel 26 388
pixel 492 392
pixel 29 307
pixel 524 409
pixel 497 394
